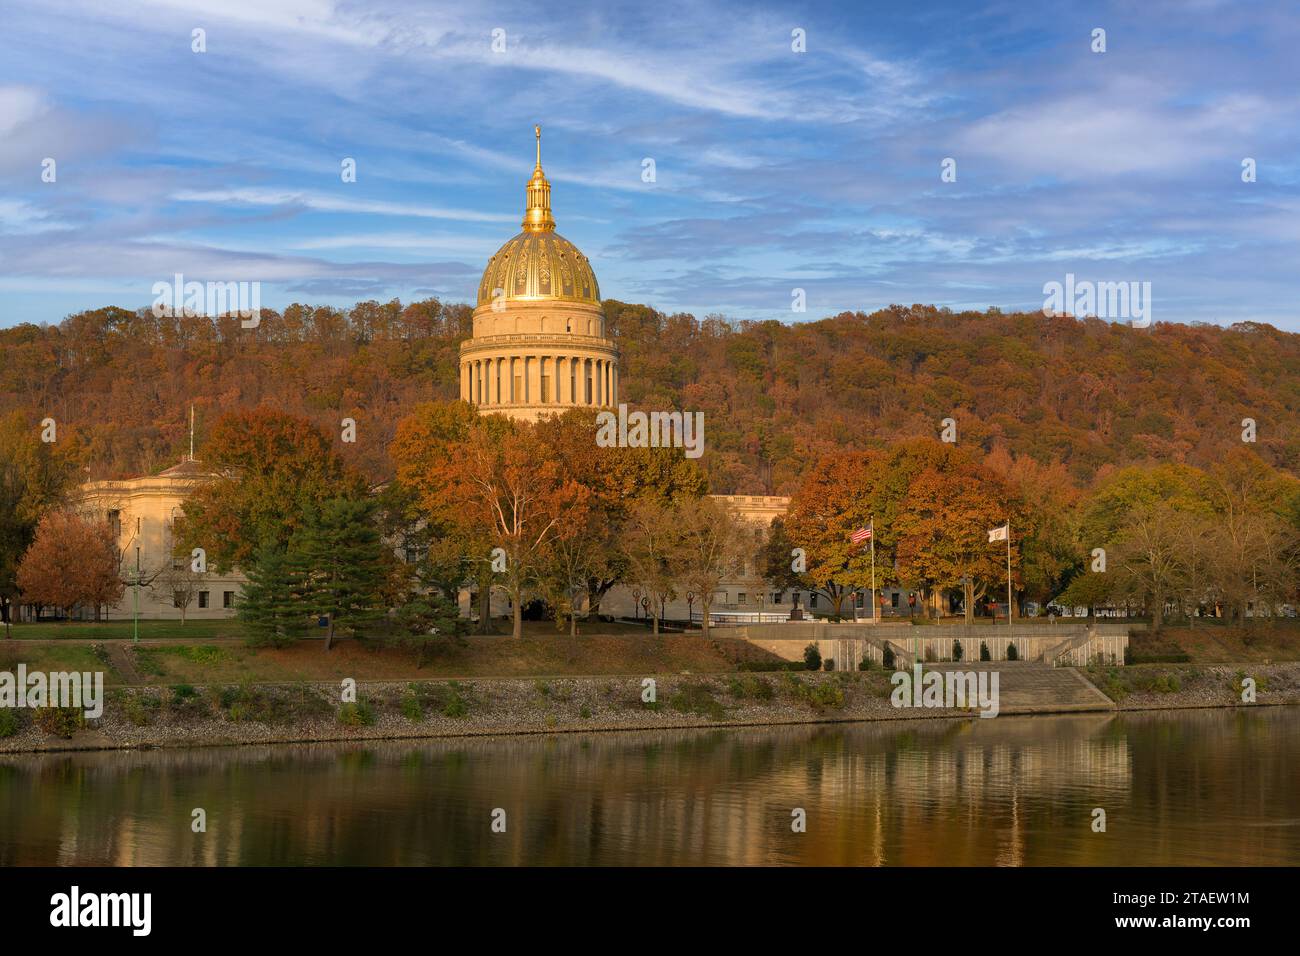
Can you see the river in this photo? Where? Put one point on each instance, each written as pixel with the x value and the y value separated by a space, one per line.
pixel 1178 788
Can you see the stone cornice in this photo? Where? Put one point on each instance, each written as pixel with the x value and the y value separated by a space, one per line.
pixel 558 341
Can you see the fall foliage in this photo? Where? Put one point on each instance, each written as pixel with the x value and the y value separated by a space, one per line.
pixel 71 562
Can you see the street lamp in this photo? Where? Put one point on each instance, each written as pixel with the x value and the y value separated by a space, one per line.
pixel 136 581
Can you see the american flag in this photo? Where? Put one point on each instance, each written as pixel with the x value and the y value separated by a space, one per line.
pixel 862 534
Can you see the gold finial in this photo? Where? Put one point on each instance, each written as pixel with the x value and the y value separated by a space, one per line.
pixel 537 211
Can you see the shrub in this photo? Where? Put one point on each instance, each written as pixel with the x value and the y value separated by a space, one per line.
pixel 697 699
pixel 865 663
pixel 141 708
pixel 828 664
pixel 984 652
pixel 543 688
pixel 888 658
pixel 956 650
pixel 827 695
pixel 1012 653
pixel 456 705
pixel 359 714
pixel 185 700
pixel 584 711
pixel 9 722
pixel 1168 684
pixel 412 707
pixel 59 721
pixel 246 702
pixel 812 658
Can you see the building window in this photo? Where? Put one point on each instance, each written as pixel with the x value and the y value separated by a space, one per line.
pixel 742 598
pixel 414 553
pixel 812 600
pixel 777 597
pixel 894 599
pixel 203 599
pixel 115 523
pixel 228 599
pixel 178 598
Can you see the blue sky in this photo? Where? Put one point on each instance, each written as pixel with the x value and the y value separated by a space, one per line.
pixel 774 169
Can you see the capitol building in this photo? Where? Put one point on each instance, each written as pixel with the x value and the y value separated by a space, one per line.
pixel 539 342
pixel 539 347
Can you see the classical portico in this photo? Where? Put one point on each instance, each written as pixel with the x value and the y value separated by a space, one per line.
pixel 539 344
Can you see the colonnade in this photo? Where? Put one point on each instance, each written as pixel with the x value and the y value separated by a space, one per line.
pixel 539 379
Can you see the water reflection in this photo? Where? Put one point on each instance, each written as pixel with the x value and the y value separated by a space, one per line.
pixel 1199 787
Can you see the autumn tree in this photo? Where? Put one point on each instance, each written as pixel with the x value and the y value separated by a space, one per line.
pixel 651 545
pixel 713 544
pixel 616 478
pixel 34 475
pixel 70 563
pixel 422 450
pixel 270 470
pixel 501 483
pixel 829 506
pixel 943 521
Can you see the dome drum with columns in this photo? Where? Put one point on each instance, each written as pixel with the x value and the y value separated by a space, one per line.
pixel 539 344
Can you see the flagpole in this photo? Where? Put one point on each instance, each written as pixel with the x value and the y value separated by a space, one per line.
pixel 1008 572
pixel 873 570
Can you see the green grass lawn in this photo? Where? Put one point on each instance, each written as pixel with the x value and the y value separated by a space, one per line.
pixel 52 657
pixel 109 630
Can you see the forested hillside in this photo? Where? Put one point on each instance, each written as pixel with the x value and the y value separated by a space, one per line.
pixel 1084 395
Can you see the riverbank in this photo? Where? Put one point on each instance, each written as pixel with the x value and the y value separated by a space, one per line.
pixel 221 715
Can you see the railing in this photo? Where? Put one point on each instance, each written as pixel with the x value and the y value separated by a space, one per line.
pixel 549 338
pixel 1092 648
pixel 738 618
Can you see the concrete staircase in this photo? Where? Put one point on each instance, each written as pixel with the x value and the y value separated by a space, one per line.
pixel 1034 687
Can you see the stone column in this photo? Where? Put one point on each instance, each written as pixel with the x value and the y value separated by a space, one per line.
pixel 534 379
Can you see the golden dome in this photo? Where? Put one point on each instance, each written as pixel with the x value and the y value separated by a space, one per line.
pixel 539 263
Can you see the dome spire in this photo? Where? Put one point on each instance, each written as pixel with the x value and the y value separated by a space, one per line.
pixel 537 212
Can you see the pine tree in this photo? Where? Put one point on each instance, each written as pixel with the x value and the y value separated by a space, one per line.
pixel 272 605
pixel 342 558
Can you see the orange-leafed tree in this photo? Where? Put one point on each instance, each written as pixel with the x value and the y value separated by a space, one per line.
pixel 71 563
pixel 272 469
pixel 951 504
pixel 829 506
pixel 502 484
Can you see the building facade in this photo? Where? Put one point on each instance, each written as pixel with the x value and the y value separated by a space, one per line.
pixel 142 513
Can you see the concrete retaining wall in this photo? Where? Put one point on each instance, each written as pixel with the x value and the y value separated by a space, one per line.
pixel 848 644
